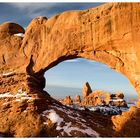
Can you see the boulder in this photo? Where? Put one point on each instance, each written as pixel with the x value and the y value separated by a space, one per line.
pixel 86 90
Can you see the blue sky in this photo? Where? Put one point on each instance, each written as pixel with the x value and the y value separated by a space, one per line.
pixel 23 13
pixel 72 73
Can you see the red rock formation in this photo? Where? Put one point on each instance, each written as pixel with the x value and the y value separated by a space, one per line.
pixel 104 98
pixel 108 34
pixel 86 90
pixel 94 99
pixel 77 99
pixel 67 101
pixel 127 124
pixel 117 100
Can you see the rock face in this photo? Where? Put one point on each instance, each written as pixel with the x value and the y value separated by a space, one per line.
pixel 77 99
pixel 123 123
pixel 86 90
pixel 108 34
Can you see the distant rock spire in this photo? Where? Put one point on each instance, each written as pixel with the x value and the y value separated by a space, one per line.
pixel 67 100
pixel 86 90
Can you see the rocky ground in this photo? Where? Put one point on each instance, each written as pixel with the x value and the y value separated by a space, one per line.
pixel 24 115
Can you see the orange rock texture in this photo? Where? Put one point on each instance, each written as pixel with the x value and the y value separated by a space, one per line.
pixel 67 100
pixel 99 34
pixel 108 34
pixel 127 124
pixel 77 99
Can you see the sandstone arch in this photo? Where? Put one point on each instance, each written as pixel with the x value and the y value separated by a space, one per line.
pixel 108 34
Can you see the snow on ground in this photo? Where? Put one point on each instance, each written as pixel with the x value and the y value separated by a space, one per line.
pixel 19 96
pixel 19 34
pixel 67 128
pixel 54 117
pixel 7 74
pixel 105 110
pixel 116 100
pixel 6 95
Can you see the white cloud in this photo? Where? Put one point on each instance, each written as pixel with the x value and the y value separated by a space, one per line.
pixel 34 9
pixel 33 6
pixel 72 61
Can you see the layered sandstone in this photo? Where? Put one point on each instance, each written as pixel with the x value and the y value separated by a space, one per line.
pixel 108 34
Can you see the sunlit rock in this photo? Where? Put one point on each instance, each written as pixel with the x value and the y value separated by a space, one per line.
pixel 109 34
pixel 86 90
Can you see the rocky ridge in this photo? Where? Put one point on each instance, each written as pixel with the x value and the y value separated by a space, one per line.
pixel 96 98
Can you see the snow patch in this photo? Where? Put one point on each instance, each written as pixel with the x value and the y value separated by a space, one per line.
pixel 68 126
pixel 6 95
pixel 7 74
pixel 45 123
pixel 19 34
pixel 117 100
pixel 54 117
pixel 19 96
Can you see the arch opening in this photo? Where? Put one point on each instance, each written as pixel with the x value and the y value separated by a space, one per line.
pixel 68 78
